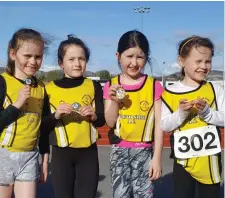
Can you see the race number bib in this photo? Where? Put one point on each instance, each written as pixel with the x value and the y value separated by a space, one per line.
pixel 201 141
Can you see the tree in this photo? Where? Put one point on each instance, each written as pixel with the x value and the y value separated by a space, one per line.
pixel 103 74
pixel 54 75
pixel 41 77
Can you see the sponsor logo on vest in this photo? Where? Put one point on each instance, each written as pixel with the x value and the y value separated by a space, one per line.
pixel 131 119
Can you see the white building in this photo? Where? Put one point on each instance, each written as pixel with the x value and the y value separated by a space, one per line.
pixel 213 82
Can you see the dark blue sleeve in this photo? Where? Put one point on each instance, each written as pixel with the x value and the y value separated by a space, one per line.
pixel 99 105
pixel 11 113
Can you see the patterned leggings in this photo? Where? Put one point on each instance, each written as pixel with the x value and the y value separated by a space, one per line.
pixel 129 172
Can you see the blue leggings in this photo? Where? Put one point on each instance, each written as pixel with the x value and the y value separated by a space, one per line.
pixel 129 172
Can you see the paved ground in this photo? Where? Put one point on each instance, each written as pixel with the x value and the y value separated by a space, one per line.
pixel 163 187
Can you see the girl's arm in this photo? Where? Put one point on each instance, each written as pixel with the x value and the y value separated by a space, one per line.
pixel 171 121
pixel 155 169
pixel 211 116
pixel 111 112
pixel 158 133
pixel 11 113
pixel 44 147
pixel 8 116
pixel 44 168
pixel 49 122
pixel 111 104
pixel 48 119
pixel 99 106
pixel 44 130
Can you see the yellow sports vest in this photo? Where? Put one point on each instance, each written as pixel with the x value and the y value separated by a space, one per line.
pixel 205 169
pixel 73 130
pixel 135 122
pixel 22 135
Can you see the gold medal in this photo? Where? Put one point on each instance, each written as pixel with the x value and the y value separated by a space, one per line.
pixel 120 93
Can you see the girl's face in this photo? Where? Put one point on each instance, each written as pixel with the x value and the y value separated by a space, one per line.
pixel 74 61
pixel 197 65
pixel 132 61
pixel 28 58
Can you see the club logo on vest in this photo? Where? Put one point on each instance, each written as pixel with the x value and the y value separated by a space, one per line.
pixel 61 102
pixel 86 99
pixel 144 105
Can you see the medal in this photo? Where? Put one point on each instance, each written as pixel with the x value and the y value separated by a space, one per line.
pixel 120 93
pixel 76 106
pixel 29 81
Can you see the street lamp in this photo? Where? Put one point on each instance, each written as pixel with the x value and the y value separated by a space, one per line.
pixel 142 10
pixel 162 74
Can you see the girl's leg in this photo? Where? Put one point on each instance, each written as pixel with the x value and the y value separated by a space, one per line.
pixel 7 166
pixel 120 172
pixel 25 189
pixel 87 172
pixel 27 174
pixel 141 184
pixel 184 183
pixel 209 190
pixel 6 191
pixel 63 172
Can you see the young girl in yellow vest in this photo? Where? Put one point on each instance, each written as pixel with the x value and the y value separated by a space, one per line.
pixel 77 109
pixel 23 103
pixel 193 109
pixel 132 110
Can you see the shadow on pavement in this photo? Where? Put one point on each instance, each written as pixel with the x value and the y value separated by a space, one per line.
pixel 222 191
pixel 99 193
pixel 164 187
pixel 45 190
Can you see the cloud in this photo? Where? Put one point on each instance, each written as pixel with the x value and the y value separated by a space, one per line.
pixel 47 68
pixel 181 34
pixel 219 48
pixel 170 41
pixel 101 41
pixel 175 65
pixel 2 63
pixel 171 68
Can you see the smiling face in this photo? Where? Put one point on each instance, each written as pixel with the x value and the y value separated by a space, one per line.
pixel 196 65
pixel 132 61
pixel 28 58
pixel 74 61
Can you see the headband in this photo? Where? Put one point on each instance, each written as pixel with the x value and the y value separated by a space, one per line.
pixel 185 44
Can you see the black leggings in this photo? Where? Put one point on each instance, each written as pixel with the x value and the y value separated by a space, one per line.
pixel 75 167
pixel 185 184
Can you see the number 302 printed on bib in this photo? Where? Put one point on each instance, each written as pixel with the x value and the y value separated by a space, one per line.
pixel 196 142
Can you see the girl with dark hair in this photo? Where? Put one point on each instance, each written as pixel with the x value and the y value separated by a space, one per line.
pixel 77 109
pixel 132 110
pixel 193 109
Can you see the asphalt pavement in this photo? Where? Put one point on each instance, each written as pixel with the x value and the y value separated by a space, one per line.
pixel 163 186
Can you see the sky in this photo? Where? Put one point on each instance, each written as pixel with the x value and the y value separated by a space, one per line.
pixel 101 24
